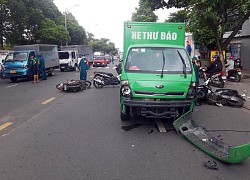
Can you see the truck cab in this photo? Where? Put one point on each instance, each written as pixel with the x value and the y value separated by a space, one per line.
pixel 17 65
pixel 157 78
pixel 68 60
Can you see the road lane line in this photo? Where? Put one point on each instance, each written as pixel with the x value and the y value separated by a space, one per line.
pixel 5 125
pixel 12 85
pixel 49 100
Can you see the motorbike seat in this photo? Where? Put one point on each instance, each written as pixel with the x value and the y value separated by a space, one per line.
pixel 109 74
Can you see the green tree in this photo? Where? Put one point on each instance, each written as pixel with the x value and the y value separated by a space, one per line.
pixel 103 45
pixel 144 13
pixel 210 17
pixel 4 24
pixel 179 16
pixel 50 32
pixel 76 32
pixel 30 17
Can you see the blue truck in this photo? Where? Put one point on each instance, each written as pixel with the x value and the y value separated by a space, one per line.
pixel 17 64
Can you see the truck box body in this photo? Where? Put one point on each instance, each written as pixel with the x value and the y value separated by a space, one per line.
pixel 81 49
pixel 17 63
pixel 157 76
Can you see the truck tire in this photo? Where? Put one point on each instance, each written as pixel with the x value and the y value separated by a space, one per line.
pixel 13 79
pixel 51 72
pixel 126 116
pixel 61 70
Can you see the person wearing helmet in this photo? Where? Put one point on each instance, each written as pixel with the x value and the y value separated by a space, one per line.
pixel 216 66
pixel 230 64
pixel 83 68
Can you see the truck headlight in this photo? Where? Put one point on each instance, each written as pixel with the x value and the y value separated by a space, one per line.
pixel 25 66
pixel 126 91
pixel 191 90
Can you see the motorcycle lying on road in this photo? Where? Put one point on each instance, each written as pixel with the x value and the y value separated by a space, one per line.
pixel 215 80
pixel 74 85
pixel 104 79
pixel 234 75
pixel 228 97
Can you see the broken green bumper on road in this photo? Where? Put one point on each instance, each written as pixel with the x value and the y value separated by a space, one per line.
pixel 209 144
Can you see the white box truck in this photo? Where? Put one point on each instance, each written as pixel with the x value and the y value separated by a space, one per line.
pixel 69 56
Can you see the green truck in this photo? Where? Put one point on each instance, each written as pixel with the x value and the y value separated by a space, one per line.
pixel 157 80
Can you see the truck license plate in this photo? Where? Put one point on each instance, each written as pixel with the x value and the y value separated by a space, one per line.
pixel 12 71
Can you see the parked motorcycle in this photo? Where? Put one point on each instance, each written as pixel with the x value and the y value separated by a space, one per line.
pixel 74 85
pixel 234 75
pixel 238 63
pixel 215 80
pixel 104 79
pixel 229 97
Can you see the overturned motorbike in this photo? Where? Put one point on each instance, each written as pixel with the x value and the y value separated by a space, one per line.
pixel 74 85
pixel 229 97
pixel 103 79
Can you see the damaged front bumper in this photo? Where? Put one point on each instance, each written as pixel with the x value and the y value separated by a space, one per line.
pixel 209 144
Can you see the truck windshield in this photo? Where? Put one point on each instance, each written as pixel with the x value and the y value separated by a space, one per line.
pixel 17 56
pixel 150 60
pixel 63 55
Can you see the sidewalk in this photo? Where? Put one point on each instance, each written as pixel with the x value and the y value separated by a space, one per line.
pixel 243 87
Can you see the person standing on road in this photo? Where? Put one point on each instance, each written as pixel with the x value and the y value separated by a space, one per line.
pixel 188 48
pixel 196 64
pixel 34 68
pixel 112 59
pixel 42 68
pixel 83 68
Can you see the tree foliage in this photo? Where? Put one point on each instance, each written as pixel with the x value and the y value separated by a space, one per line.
pixel 144 13
pixel 40 21
pixel 210 19
pixel 103 45
pixel 179 16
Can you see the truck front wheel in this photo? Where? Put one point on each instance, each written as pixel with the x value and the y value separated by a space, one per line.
pixel 125 116
pixel 13 79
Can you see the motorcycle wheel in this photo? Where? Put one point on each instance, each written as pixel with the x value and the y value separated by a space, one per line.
pixel 88 84
pixel 238 103
pixel 200 95
pixel 237 78
pixel 96 84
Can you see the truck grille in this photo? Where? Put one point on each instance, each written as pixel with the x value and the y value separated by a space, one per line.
pixel 160 93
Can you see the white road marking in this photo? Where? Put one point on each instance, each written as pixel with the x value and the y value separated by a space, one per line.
pixel 12 85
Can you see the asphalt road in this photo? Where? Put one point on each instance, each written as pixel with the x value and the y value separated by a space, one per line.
pixel 56 135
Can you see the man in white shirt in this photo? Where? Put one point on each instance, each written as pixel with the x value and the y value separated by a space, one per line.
pixel 230 64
